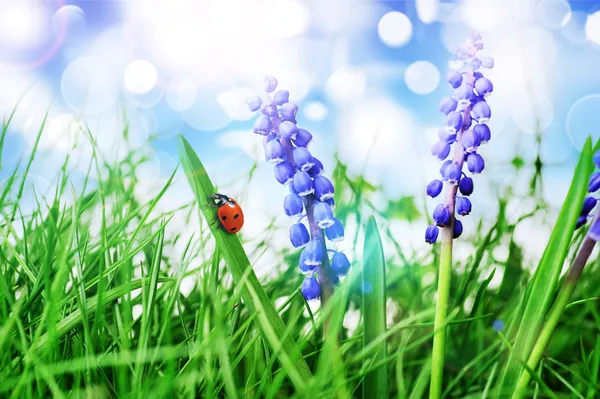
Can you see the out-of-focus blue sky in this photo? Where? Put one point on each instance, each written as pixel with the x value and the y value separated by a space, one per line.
pixel 367 75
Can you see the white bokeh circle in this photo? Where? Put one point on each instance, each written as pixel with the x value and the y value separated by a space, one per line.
pixel 592 27
pixel 395 29
pixel 553 14
pixel 422 77
pixel 582 118
pixel 140 76
pixel 69 23
pixel 315 111
pixel 88 87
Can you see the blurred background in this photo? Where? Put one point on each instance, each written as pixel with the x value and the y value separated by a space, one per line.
pixel 367 76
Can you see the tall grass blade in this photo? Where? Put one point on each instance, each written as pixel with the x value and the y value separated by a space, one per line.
pixel 255 298
pixel 373 309
pixel 547 274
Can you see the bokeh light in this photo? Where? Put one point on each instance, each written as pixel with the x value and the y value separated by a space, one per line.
pixel 427 10
pixel 592 27
pixel 346 84
pixel 395 29
pixel 553 14
pixel 69 24
pixel 315 111
pixel 23 27
pixel 422 77
pixel 88 87
pixel 582 119
pixel 140 77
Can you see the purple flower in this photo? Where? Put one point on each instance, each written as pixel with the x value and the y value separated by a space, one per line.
pixel 483 87
pixel 305 267
pixel 269 108
pixel 299 235
pixel 310 193
pixel 310 288
pixel 466 186
pixel 340 264
pixel 453 122
pixel 464 94
pixel 483 132
pixel 303 183
pixel 447 105
pixel 288 130
pixel 254 103
pixel 303 138
pixel 453 173
pixel 594 182
pixel 458 228
pixel 463 206
pixel 441 149
pixel 303 159
pixel 288 111
pixel 263 125
pixel 475 163
pixel 316 169
pixel 284 173
pixel 434 188
pixel 335 232
pixel 441 215
pixel 293 205
pixel 444 166
pixel 465 129
pixel 323 215
pixel 331 203
pixel 588 204
pixel 454 78
pixel 314 253
pixel 481 112
pixel 280 97
pixel 431 234
pixel 269 137
pixel 470 141
pixel 448 137
pixel 274 152
pixel 270 84
pixel 323 188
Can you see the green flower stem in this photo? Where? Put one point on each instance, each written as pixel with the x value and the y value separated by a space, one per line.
pixel 441 312
pixel 556 311
pixel 445 272
pixel 443 291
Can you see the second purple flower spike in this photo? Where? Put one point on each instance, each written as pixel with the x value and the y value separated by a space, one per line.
pixel 311 193
pixel 466 115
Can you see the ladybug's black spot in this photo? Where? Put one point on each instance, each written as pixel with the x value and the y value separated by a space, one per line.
pixel 237 215
pixel 233 228
pixel 223 217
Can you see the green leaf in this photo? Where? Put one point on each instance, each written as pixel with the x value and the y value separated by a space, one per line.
pixel 255 297
pixel 547 273
pixel 373 310
pixel 403 208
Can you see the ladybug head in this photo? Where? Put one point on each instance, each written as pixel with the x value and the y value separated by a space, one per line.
pixel 220 199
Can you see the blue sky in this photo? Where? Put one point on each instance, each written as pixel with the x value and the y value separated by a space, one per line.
pixel 353 66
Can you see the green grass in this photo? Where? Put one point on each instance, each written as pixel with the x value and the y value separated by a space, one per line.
pixel 91 299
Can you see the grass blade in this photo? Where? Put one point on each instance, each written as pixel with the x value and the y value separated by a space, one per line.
pixel 547 274
pixel 255 297
pixel 373 309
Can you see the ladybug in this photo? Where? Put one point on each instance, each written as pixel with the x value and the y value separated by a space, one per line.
pixel 229 212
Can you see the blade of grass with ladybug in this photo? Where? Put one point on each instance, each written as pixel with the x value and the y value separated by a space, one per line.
pixel 255 298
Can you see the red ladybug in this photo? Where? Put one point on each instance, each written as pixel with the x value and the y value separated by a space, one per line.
pixel 229 212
